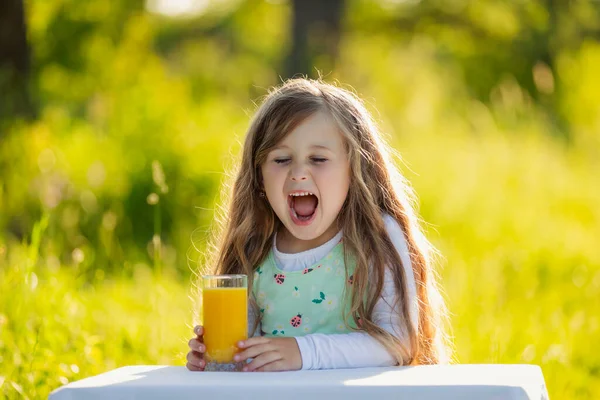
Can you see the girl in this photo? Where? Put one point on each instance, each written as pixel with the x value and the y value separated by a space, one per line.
pixel 322 223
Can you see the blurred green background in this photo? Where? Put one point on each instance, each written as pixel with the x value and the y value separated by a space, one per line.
pixel 118 120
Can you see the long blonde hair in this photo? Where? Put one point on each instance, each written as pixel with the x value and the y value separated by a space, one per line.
pixel 245 226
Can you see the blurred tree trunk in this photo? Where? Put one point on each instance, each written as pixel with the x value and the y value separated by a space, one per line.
pixel 316 29
pixel 14 60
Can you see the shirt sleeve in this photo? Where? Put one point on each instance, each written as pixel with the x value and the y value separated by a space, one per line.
pixel 359 349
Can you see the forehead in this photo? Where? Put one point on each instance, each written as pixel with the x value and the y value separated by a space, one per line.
pixel 319 131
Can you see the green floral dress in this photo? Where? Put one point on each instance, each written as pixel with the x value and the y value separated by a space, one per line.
pixel 313 300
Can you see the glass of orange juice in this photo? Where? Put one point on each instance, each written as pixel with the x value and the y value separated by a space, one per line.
pixel 225 319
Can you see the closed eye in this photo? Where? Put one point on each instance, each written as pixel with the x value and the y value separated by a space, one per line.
pixel 286 160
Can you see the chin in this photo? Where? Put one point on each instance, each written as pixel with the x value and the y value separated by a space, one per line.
pixel 302 233
pixel 307 233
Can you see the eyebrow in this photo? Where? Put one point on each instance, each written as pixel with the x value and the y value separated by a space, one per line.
pixel 314 146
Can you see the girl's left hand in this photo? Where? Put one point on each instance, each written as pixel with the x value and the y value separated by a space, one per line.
pixel 270 354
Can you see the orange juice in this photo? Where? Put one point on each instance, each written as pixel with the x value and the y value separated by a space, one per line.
pixel 225 315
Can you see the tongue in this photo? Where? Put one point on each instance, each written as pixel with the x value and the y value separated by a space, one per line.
pixel 305 205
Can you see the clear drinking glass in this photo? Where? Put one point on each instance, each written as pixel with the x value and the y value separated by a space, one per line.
pixel 225 319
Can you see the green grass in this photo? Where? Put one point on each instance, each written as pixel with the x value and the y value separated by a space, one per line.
pixel 515 219
pixel 55 327
pixel 517 223
pixel 512 206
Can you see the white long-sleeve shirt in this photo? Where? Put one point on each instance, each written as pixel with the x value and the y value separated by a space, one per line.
pixel 354 349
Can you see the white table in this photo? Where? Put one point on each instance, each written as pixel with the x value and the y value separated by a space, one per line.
pixel 467 381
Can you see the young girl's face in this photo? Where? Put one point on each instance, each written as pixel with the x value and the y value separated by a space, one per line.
pixel 306 178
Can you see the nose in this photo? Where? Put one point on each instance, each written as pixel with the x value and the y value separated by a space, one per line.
pixel 298 173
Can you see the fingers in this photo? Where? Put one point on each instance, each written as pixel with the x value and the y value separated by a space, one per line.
pixel 199 330
pixel 195 360
pixel 252 342
pixel 254 351
pixel 271 367
pixel 196 345
pixel 192 367
pixel 263 360
pixel 254 346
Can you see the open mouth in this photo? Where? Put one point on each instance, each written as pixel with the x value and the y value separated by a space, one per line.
pixel 303 207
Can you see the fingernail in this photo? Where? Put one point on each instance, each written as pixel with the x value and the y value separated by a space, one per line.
pixel 240 344
pixel 197 330
pixel 245 369
pixel 201 347
pixel 236 358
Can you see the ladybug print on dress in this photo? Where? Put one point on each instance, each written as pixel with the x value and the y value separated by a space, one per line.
pixel 350 279
pixel 296 321
pixel 279 278
pixel 307 270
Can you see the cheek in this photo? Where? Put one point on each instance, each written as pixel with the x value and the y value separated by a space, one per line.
pixel 334 183
pixel 267 174
pixel 272 177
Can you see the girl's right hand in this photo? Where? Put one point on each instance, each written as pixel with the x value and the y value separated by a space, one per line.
pixel 195 357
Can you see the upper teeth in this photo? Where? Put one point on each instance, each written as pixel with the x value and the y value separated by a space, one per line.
pixel 301 194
